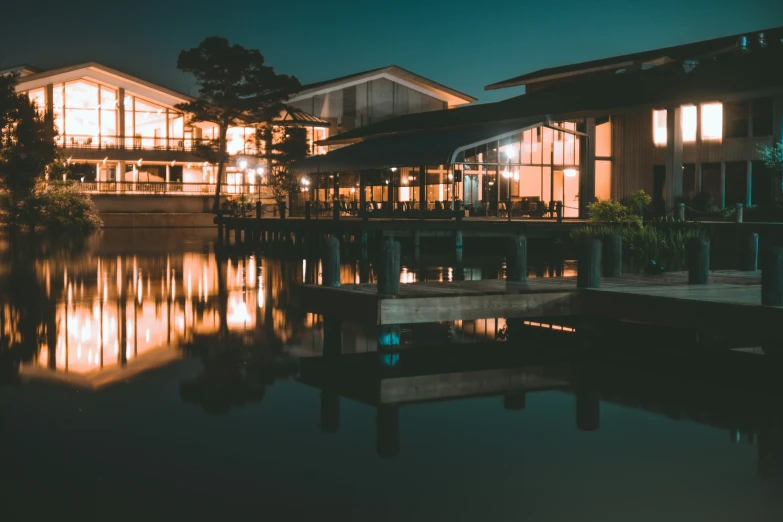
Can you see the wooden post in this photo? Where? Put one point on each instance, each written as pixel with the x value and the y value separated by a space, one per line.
pixel 681 211
pixel 331 262
pixel 749 257
pixel 559 209
pixel 307 210
pixel 588 271
pixel 389 268
pixel 258 210
pixel 612 255
pixel 738 213
pixel 458 245
pixel 772 277
pixel 698 261
pixel 516 260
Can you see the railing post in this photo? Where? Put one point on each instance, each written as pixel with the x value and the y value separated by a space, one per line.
pixel 389 268
pixel 750 253
pixel 516 262
pixel 258 210
pixel 681 211
pixel 698 261
pixel 559 210
pixel 307 210
pixel 738 213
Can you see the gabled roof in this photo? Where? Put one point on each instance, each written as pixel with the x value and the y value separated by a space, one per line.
pixel 98 67
pixel 393 72
pixel 690 51
pixel 294 116
pixel 671 84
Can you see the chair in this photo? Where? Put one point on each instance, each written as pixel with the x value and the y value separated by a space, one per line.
pixel 447 205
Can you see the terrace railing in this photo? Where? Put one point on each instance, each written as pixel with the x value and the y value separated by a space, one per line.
pixel 73 141
pixel 162 187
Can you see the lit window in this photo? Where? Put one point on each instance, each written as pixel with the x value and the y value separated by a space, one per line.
pixel 659 127
pixel 712 121
pixel 689 119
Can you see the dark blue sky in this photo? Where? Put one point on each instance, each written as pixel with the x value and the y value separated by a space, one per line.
pixel 463 44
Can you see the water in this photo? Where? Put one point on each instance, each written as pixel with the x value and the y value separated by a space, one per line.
pixel 221 406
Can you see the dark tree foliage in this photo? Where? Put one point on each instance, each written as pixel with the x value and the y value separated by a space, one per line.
pixel 26 148
pixel 235 88
pixel 282 146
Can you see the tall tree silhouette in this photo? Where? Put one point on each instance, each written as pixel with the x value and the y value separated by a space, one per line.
pixel 235 88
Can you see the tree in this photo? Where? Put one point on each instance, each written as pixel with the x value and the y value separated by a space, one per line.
pixel 282 146
pixel 26 149
pixel 235 88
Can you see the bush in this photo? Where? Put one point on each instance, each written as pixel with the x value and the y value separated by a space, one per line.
pixel 62 207
pixel 611 212
pixel 662 240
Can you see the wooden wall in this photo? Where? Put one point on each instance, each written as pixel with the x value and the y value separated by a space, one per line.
pixel 634 154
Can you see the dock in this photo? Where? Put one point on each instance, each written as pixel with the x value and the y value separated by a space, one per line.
pixel 732 299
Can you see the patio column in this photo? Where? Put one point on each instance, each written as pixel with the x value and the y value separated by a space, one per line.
pixel 586 166
pixel 168 172
pixel 49 116
pixel 121 118
pixel 673 156
pixel 423 187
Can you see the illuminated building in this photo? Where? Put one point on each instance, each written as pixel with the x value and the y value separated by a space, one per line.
pixel 682 123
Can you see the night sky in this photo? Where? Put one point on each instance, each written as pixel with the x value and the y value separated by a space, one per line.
pixel 463 44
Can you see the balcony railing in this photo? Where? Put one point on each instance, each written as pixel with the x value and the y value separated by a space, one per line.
pixel 162 187
pixel 72 141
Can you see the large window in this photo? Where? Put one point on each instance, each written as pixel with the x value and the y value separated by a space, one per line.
pixel 150 126
pixel 85 113
pixel 689 116
pixel 659 127
pixel 762 116
pixel 735 119
pixel 712 121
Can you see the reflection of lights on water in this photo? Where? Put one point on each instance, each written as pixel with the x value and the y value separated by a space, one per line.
pixel 147 335
pixel 238 314
pixel 390 359
pixel 407 276
pixel 451 275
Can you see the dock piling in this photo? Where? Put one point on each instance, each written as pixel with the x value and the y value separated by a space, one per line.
pixel 458 245
pixel 680 211
pixel 588 270
pixel 612 255
pixel 331 262
pixel 772 277
pixel 749 260
pixel 389 268
pixel 738 213
pixel 516 262
pixel 698 261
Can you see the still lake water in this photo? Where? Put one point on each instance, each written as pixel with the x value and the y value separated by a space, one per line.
pixel 144 378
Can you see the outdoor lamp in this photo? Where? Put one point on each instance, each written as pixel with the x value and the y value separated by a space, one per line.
pixel 570 173
pixel 511 152
pixel 507 174
pixel 242 164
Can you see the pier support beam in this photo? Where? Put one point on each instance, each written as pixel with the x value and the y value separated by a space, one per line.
pixel 738 213
pixel 389 268
pixel 331 262
pixel 588 270
pixel 516 261
pixel 749 255
pixel 698 261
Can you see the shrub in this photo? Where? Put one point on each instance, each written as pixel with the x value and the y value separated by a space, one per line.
pixel 62 207
pixel 611 212
pixel 637 200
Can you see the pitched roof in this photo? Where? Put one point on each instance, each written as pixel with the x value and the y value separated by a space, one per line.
pixel 294 116
pixel 108 70
pixel 690 51
pixel 668 84
pixel 392 70
pixel 21 68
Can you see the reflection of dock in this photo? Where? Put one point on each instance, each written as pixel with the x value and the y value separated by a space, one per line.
pixel 732 298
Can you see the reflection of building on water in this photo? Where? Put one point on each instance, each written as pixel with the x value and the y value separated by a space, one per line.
pixel 114 316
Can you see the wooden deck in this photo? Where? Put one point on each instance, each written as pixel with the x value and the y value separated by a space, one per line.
pixel 731 298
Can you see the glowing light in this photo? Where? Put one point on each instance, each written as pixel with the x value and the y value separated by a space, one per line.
pixel 511 152
pixel 659 127
pixel 507 174
pixel 712 121
pixel 689 119
pixel 242 164
pixel 570 173
pixel 394 169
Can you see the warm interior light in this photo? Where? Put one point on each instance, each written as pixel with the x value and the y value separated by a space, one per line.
pixel 712 121
pixel 451 176
pixel 242 164
pixel 689 123
pixel 570 173
pixel 659 127
pixel 394 169
pixel 511 152
pixel 507 174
